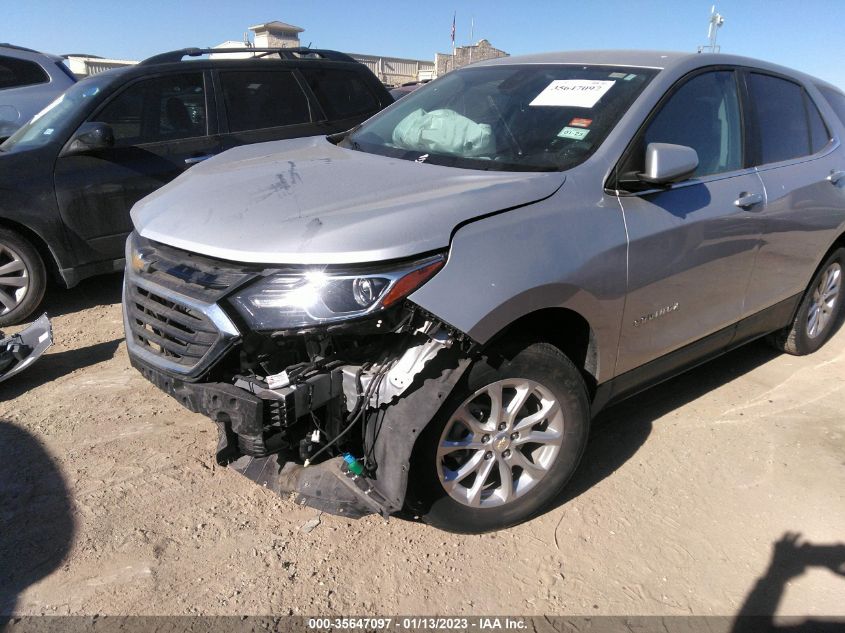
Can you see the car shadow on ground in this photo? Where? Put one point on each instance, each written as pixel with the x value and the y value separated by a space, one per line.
pixel 55 365
pixel 36 516
pixel 619 431
pixel 96 291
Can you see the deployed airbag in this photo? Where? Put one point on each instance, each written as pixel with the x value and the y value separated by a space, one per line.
pixel 444 132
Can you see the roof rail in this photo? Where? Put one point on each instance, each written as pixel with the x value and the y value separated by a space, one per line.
pixel 18 48
pixel 284 53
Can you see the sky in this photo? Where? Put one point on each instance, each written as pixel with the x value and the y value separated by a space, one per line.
pixel 805 35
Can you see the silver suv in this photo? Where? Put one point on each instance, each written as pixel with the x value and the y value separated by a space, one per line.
pixel 29 80
pixel 425 313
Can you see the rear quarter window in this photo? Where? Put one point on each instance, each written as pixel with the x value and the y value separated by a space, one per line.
pixel 342 93
pixel 15 73
pixel 836 100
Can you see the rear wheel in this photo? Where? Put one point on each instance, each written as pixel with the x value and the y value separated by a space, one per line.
pixel 23 278
pixel 819 312
pixel 505 443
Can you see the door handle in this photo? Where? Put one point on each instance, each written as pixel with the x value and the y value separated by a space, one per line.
pixel 835 176
pixel 193 160
pixel 747 200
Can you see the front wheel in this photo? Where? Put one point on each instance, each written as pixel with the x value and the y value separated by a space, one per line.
pixel 505 443
pixel 23 278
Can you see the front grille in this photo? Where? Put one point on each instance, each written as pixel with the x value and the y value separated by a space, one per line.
pixel 168 329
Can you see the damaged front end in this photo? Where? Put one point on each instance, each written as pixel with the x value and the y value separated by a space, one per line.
pixel 319 382
pixel 19 351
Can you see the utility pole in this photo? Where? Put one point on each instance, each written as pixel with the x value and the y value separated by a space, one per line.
pixel 471 40
pixel 715 23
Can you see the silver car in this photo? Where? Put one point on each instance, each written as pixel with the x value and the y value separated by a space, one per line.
pixel 29 80
pixel 424 314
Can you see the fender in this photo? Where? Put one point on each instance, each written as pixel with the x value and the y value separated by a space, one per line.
pixel 583 268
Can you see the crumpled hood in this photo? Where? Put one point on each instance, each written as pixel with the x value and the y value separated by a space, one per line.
pixel 307 201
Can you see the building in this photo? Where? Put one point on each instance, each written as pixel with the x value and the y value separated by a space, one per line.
pixel 82 65
pixel 395 71
pixel 464 55
pixel 276 35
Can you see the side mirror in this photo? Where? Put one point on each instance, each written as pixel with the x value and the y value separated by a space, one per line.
pixel 89 137
pixel 666 163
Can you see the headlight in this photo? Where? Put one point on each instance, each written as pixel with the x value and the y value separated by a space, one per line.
pixel 289 300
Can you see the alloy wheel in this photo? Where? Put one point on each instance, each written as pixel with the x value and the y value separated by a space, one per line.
pixel 14 279
pixel 500 443
pixel 825 298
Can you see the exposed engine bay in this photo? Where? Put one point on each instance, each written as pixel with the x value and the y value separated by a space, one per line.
pixel 330 411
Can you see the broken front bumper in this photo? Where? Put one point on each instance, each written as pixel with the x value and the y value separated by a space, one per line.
pixel 19 351
pixel 329 486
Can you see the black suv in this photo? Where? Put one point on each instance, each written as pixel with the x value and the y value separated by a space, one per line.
pixel 69 177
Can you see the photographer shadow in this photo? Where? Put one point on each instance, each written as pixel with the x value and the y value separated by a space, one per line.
pixel 37 526
pixel 790 559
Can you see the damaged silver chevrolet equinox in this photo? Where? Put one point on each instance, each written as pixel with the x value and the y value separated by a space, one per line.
pixel 422 315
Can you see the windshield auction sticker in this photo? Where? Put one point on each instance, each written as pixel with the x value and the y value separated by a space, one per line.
pixel 577 93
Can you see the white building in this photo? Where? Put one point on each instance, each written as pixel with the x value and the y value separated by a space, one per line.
pixel 276 35
pixel 83 65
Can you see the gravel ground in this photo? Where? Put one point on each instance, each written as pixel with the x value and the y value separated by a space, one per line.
pixel 111 503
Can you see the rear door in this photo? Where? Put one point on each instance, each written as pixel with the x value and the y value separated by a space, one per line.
pixel 803 171
pixel 264 105
pixel 691 247
pixel 161 127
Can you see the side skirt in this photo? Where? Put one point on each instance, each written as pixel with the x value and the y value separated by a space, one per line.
pixel 690 356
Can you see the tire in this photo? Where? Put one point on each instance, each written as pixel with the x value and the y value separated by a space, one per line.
pixel 23 278
pixel 555 396
pixel 820 311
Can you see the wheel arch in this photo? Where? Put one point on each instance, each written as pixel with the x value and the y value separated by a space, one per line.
pixel 39 243
pixel 566 329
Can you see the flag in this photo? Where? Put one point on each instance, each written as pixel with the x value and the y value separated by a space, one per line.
pixel 453 27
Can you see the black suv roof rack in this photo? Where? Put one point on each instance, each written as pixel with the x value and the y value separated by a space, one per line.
pixel 284 53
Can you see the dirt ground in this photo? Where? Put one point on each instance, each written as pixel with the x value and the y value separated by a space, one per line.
pixel 111 503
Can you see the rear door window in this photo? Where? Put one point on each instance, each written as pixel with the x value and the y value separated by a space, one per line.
pixel 160 109
pixel 784 128
pixel 342 93
pixel 261 99
pixel 15 73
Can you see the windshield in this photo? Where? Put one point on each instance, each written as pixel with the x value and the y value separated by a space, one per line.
pixel 533 118
pixel 40 128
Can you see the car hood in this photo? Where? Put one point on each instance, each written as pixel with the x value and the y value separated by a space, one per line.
pixel 308 201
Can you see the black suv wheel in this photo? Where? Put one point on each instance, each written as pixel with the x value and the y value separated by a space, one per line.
pixel 23 278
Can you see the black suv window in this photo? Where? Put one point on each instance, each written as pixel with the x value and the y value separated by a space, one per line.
pixel 161 109
pixel 342 93
pixel 785 119
pixel 15 73
pixel 260 99
pixel 703 114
